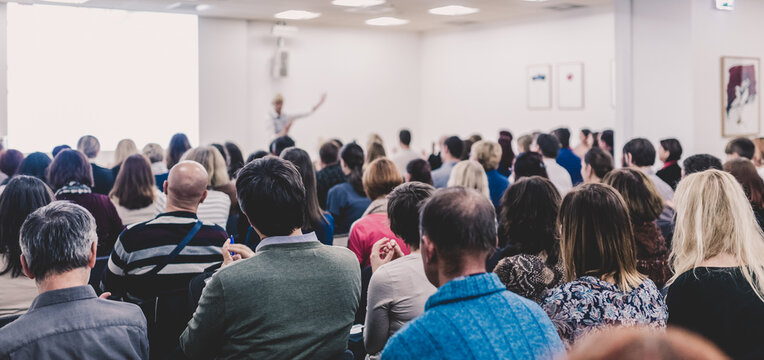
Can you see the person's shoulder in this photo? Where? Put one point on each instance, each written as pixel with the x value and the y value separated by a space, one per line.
pixel 341 255
pixel 118 312
pixel 403 344
pixel 339 188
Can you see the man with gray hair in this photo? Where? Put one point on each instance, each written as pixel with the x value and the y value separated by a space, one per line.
pixel 67 319
pixel 103 178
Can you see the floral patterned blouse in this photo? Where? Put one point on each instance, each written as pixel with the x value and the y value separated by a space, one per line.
pixel 588 303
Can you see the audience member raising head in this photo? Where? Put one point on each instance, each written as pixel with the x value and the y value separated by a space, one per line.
pixel 331 171
pixel 488 154
pixel 9 162
pixel 623 343
pixel 179 144
pixel 471 175
pixel 670 151
pixel 529 239
pixel 645 206
pixel 717 254
pixel 315 219
pixel 745 173
pixel 279 144
pixel 103 178
pixel 221 197
pixel 566 158
pixel 347 201
pixel 458 233
pixel 600 259
pixel 740 148
pixel 699 163
pixel 549 147
pixel 236 160
pixel 35 164
pixel 135 195
pixel 529 164
pixel 507 154
pixel 419 170
pixel 450 153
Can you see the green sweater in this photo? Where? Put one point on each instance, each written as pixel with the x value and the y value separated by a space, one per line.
pixel 289 301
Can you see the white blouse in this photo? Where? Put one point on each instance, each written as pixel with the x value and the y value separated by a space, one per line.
pixel 134 216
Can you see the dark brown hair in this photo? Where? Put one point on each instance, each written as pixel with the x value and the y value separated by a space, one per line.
pixel 301 160
pixel 642 197
pixel 69 165
pixel 380 178
pixel 135 187
pixel 745 172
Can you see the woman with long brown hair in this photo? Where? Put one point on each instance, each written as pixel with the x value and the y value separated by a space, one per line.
pixel 135 195
pixel 746 174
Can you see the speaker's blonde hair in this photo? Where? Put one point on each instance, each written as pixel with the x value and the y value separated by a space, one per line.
pixel 714 217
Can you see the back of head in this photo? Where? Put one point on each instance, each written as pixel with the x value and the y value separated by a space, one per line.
pixel 460 222
pixel 10 160
pixel 524 143
pixel 375 151
pixel 223 152
pixel 600 161
pixel 135 187
pixel 674 148
pixel 352 157
pixel 212 161
pixel 562 134
pixel 701 162
pixel 549 145
pixel 404 136
pixel 35 164
pixel 745 173
pixel 507 153
pixel 471 175
pixel 642 198
pixel 153 152
pixel 374 138
pixel 419 170
pixel 88 145
pixel 607 137
pixel 272 196
pixel 259 154
pixel 186 184
pixel 302 161
pixel 634 343
pixel 596 236
pixel 380 178
pixel 22 195
pixel 58 149
pixel 179 144
pixel 529 164
pixel 329 153
pixel 57 238
pixel 528 219
pixel 455 146
pixel 642 152
pixel 487 153
pixel 403 206
pixel 466 149
pixel 744 147
pixel 69 165
pixel 280 143
pixel 236 160
pixel 125 148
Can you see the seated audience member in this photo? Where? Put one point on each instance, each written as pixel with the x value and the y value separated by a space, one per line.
pixel 758 158
pixel 605 141
pixel 419 170
pixel 179 144
pixel 597 163
pixel 405 155
pixel 291 268
pixel 529 164
pixel 67 319
pixel 347 201
pixel 488 154
pixel 103 178
pixel 740 148
pixel 125 148
pixel 25 194
pixel 472 315
pixel 70 177
pixel 374 138
pixel 524 143
pixel 585 143
pixel 223 152
pixel 259 154
pixel 566 158
pixel 638 343
pixel 375 151
pixel 58 149
pixel 331 171
pixel 35 164
pixel 670 151
pixel 604 287
pixel 467 145
pixel 435 159
pixel 745 173
pixel 639 153
pixel 237 159
pixel 548 146
pixel 699 163
pixel 9 162
pixel 279 144
pixel 507 154
pixel 316 220
pixel 221 194
pixel 645 206
pixel 135 195
pixel 471 175
pixel 379 179
pixel 155 154
pixel 529 240
pixel 450 153
pixel 398 289
pixel 142 267
pixel 718 259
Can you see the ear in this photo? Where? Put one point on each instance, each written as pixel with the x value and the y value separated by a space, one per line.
pixel 204 197
pixel 25 267
pixel 93 255
pixel 428 250
pixel 496 242
pixel 164 187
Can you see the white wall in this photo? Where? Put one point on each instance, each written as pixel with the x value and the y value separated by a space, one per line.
pixel 3 72
pixel 473 79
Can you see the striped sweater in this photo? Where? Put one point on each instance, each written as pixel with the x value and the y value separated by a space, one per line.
pixel 145 245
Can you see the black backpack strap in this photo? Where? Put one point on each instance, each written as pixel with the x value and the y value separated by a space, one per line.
pixel 177 249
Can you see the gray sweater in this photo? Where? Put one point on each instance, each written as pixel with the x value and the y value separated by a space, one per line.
pixel 289 301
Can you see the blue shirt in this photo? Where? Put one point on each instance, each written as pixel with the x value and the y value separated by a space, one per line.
pixel 567 159
pixel 475 317
pixel 346 206
pixel 440 175
pixel 497 185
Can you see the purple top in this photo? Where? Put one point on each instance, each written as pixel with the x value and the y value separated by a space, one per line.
pixel 108 223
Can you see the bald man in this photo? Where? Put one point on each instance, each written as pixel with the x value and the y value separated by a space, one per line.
pixel 142 265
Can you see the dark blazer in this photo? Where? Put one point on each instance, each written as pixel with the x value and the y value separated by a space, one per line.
pixel 103 179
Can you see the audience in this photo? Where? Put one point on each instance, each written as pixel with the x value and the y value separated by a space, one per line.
pixel 58 149
pixel 488 154
pixel 125 148
pixel 566 157
pixel 316 220
pixel 605 141
pixel 308 292
pixel 223 152
pixel 471 175
pixel 599 254
pixel 103 178
pixel 24 195
pixel 717 254
pixel 374 151
pixel 529 239
pixel 740 148
pixel 179 144
pixel 745 173
pixel 758 159
pixel 419 170
pixel 645 206
pixel 524 143
pixel 347 201
pixel 699 163
pixel 670 151
pixel 450 153
pixel 642 344
pixel 67 319
pixel 135 195
pixel 507 153
pixel 279 144
pixel 472 315
pixel 639 153
pixel 405 155
pixel 331 171
pixel 585 143
pixel 379 179
pixel 236 159
pixel 221 195
pixel 597 164
pixel 549 147
pixel 259 154
pixel 155 154
pixel 35 164
pixel 529 164
pixel 398 289
pixel 9 162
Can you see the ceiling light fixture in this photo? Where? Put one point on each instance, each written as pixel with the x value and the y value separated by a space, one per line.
pixel 386 21
pixel 67 1
pixel 453 10
pixel 297 15
pixel 203 7
pixel 358 3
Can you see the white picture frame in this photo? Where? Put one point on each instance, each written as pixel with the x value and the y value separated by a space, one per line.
pixel 570 86
pixel 539 86
pixel 741 96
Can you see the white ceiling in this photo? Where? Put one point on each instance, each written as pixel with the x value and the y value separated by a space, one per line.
pixel 413 10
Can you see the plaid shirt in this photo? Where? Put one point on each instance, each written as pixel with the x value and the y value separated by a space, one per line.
pixel 74 187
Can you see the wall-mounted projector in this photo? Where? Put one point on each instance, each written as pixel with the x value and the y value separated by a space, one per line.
pixel 280 61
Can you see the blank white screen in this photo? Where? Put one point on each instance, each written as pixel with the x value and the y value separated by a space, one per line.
pixel 109 73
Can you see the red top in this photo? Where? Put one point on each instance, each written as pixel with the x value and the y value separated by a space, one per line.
pixel 367 231
pixel 668 163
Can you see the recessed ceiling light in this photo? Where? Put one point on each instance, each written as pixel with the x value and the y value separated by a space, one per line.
pixel 297 15
pixel 386 21
pixel 203 7
pixel 358 3
pixel 453 10
pixel 67 1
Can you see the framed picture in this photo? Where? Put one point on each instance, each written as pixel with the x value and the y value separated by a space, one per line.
pixel 570 83
pixel 539 80
pixel 741 104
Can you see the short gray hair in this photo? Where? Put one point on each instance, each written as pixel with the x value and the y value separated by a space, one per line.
pixel 89 145
pixel 57 238
pixel 154 152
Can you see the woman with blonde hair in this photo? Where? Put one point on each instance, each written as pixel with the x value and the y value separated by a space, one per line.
pixel 471 175
pixel 488 154
pixel 221 194
pixel 125 148
pixel 717 254
pixel 374 151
